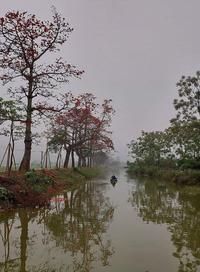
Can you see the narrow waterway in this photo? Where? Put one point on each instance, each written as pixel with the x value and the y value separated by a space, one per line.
pixel 136 225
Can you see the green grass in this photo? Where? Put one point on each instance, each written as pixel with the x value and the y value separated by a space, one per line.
pixel 184 177
pixel 74 177
pixel 89 173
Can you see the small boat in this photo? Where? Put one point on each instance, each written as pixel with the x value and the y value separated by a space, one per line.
pixel 113 179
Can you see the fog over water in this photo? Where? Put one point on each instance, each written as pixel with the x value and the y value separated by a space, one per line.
pixel 133 51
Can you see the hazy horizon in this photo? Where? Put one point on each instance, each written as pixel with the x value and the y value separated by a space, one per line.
pixel 132 51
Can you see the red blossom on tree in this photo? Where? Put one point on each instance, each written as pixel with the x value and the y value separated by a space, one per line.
pixel 82 128
pixel 24 40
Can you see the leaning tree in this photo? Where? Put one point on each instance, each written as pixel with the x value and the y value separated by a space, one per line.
pixel 24 43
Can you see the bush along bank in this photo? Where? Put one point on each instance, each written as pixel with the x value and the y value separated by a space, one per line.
pixel 179 176
pixel 35 188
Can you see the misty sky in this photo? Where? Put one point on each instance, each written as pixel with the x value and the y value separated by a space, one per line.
pixel 132 51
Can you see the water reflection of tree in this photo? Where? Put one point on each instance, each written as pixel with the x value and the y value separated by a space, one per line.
pixel 5 231
pixel 6 227
pixel 79 226
pixel 180 210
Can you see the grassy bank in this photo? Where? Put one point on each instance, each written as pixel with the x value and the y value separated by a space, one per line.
pixel 182 177
pixel 36 187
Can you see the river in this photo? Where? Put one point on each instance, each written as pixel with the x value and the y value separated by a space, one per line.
pixel 137 225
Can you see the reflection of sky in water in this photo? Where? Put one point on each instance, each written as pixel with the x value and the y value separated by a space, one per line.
pixel 135 226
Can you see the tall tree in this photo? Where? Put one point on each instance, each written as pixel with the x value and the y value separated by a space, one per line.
pixel 24 41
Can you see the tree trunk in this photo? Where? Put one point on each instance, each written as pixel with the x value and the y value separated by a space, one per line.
pixel 73 160
pixel 59 158
pixel 79 161
pixel 12 141
pixel 84 162
pixel 67 156
pixel 90 162
pixel 26 160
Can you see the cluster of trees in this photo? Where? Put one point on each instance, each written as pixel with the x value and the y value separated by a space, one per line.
pixel 178 145
pixel 82 129
pixel 25 43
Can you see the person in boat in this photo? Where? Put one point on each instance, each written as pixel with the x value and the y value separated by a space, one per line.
pixel 113 177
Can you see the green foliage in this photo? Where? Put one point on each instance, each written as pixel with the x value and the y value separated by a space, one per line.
pixel 9 110
pixel 185 139
pixel 152 148
pixel 189 164
pixel 188 103
pixel 177 148
pixel 39 181
pixel 32 176
pixel 4 194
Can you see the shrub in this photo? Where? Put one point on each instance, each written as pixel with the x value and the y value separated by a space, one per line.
pixel 36 178
pixel 5 195
pixel 189 164
pixel 31 176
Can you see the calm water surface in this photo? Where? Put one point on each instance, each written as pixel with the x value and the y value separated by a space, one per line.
pixel 138 225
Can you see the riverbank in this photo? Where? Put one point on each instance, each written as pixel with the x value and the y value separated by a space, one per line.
pixel 181 177
pixel 35 188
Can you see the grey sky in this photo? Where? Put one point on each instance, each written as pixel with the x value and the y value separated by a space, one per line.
pixel 132 51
